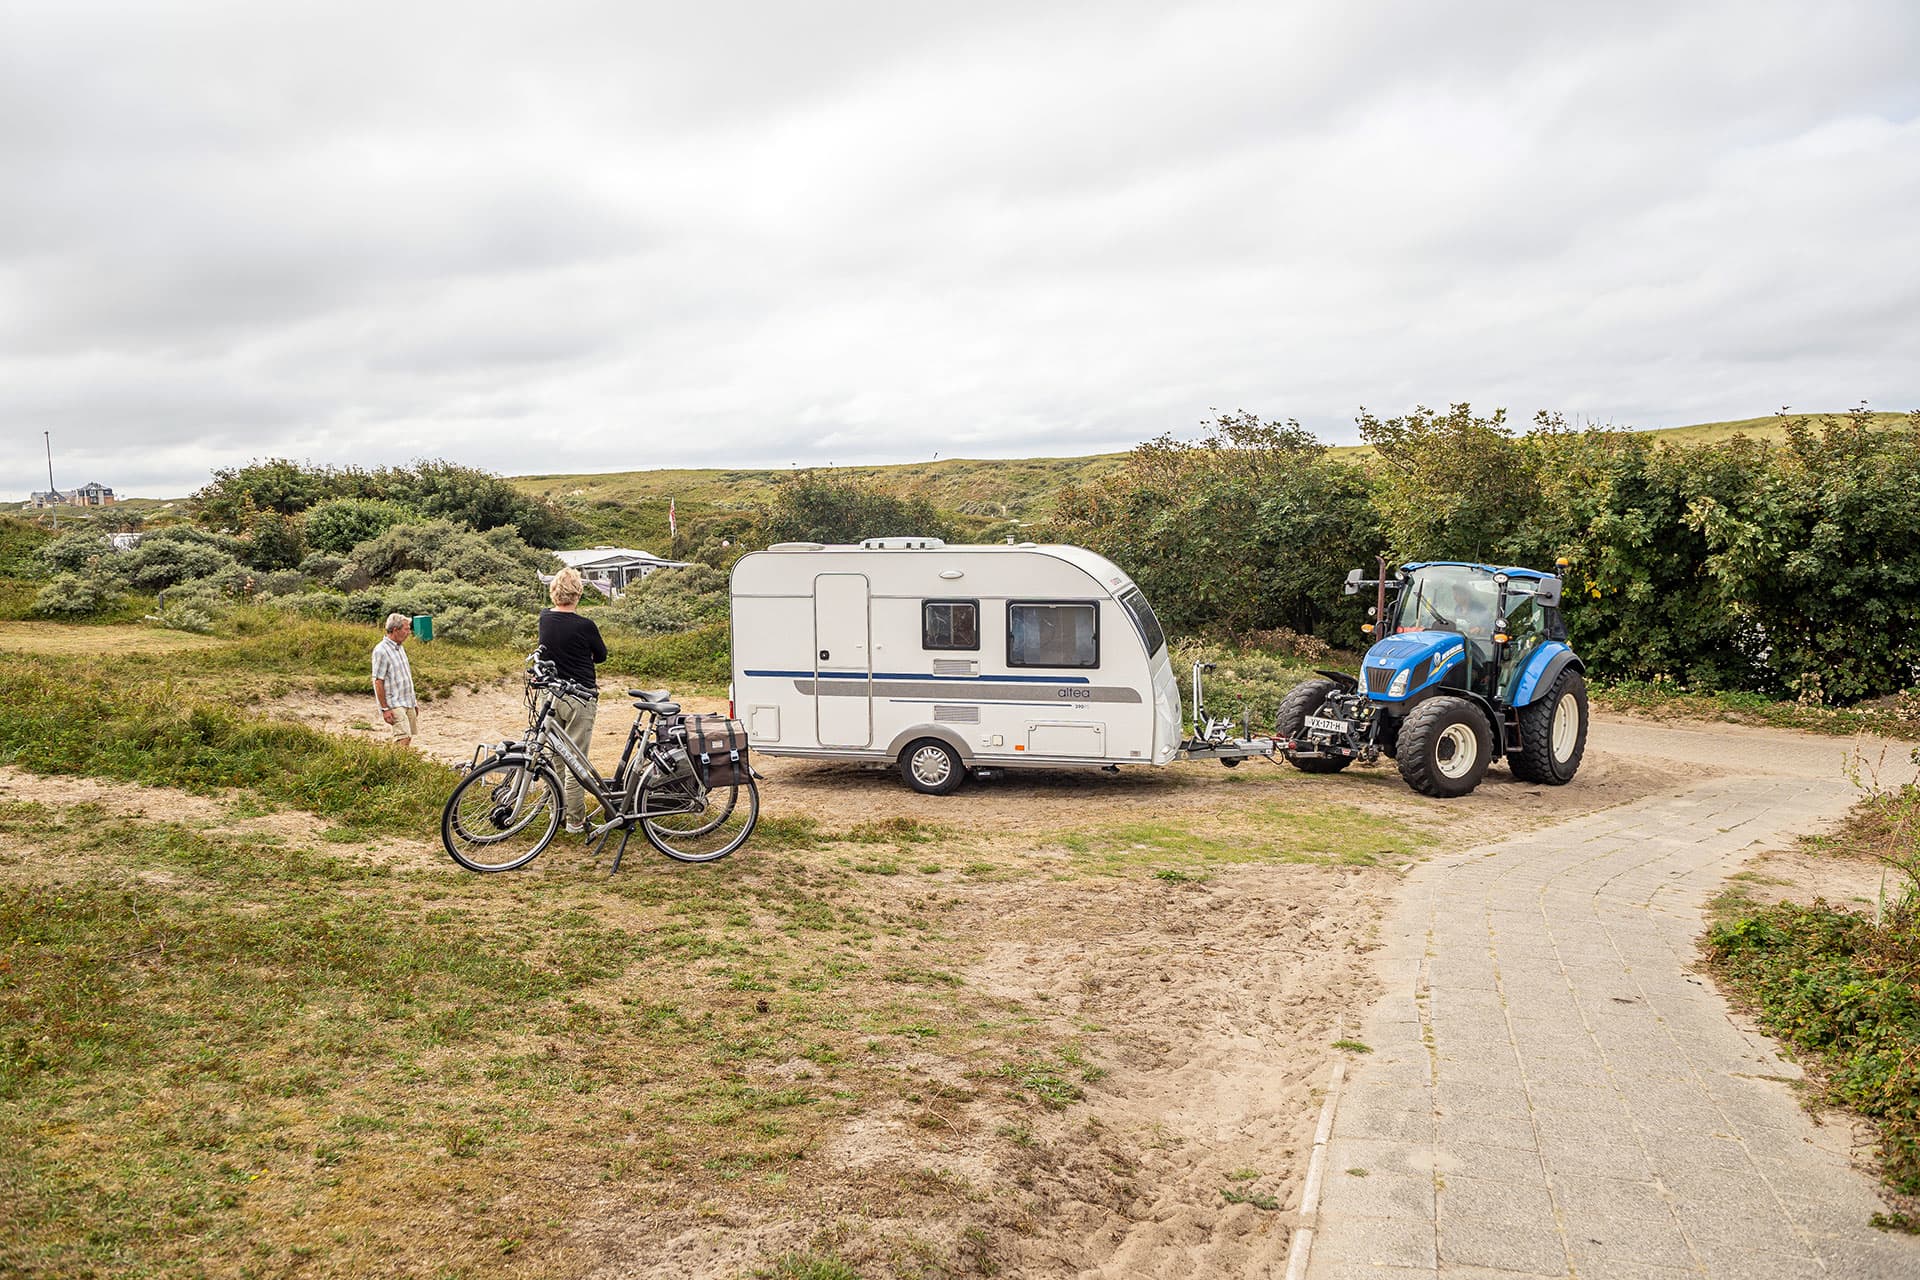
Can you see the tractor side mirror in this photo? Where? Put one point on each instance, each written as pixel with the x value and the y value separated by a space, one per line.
pixel 1547 594
pixel 1354 579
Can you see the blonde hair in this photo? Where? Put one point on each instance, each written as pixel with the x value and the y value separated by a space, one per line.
pixel 567 587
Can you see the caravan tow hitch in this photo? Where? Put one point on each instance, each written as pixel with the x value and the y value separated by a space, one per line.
pixel 1212 739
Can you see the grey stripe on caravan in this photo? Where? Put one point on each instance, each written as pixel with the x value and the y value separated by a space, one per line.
pixel 951 691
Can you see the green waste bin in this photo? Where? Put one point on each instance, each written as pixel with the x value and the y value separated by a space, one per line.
pixel 423 626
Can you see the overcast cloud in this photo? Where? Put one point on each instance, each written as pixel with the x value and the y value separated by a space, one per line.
pixel 583 236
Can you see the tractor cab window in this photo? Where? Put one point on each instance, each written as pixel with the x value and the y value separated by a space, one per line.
pixel 1446 597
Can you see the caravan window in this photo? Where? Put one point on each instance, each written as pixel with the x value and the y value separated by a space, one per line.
pixel 1053 635
pixel 950 624
pixel 1134 601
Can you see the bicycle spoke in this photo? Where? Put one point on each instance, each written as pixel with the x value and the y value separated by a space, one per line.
pixel 712 826
pixel 500 816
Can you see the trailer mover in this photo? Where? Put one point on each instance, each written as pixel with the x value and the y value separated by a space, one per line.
pixel 946 659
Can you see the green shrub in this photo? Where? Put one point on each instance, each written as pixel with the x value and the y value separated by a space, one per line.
pixel 179 554
pixel 342 524
pixel 20 544
pixel 819 506
pixel 1253 527
pixel 78 595
pixel 196 606
pixel 71 553
pixel 669 600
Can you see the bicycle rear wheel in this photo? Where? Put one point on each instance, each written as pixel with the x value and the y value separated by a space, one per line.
pixel 712 827
pixel 501 815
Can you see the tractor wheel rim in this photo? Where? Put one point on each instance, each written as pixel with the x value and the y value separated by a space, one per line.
pixel 931 766
pixel 1566 727
pixel 1454 750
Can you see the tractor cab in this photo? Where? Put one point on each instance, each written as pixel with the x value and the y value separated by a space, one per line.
pixel 1469 663
pixel 1493 619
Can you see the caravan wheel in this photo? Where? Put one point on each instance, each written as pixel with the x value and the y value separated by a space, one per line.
pixel 931 767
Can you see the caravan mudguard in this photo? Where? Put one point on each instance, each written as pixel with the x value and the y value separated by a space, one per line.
pixel 944 732
pixel 1543 668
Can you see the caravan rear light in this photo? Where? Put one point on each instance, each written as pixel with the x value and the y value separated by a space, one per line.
pixel 730 714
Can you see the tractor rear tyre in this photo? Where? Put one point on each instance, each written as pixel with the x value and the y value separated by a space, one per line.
pixel 1446 745
pixel 1290 721
pixel 1553 733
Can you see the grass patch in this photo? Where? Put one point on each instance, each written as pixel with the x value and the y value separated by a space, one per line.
pixel 1897 717
pixel 1847 995
pixel 1353 1046
pixel 59 717
pixel 230 1056
pixel 1175 851
pixel 1234 1195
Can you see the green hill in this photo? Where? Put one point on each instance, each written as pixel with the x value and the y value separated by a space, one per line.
pixel 631 506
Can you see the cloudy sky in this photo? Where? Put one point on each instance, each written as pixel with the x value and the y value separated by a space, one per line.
pixel 575 236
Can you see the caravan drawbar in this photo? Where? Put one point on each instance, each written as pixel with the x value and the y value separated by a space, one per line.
pixel 947 659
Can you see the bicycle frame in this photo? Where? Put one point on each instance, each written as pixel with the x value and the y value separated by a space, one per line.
pixel 541 743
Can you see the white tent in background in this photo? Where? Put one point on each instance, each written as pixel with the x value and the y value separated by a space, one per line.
pixel 610 569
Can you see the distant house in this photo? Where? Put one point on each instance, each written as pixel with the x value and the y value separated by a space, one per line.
pixel 87 495
pixel 611 569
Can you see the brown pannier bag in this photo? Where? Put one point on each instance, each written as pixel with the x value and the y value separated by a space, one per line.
pixel 718 747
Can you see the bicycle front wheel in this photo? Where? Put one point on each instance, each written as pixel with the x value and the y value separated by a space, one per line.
pixel 712 826
pixel 501 815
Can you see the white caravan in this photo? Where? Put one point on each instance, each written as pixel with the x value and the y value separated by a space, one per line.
pixel 950 658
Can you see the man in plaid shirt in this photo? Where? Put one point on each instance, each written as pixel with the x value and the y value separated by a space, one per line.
pixel 393 681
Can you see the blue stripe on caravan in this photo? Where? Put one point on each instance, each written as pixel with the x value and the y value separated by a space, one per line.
pixel 909 675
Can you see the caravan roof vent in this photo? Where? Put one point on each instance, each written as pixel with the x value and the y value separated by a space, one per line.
pixel 902 544
pixel 797 546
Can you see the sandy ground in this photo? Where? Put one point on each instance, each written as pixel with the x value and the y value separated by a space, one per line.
pixel 1219 1000
pixel 1210 1006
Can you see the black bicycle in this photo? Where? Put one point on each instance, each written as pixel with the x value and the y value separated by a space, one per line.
pixel 508 807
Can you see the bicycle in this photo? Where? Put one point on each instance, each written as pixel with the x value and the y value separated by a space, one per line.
pixel 508 808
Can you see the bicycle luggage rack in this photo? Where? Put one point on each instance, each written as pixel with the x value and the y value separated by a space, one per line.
pixel 1212 738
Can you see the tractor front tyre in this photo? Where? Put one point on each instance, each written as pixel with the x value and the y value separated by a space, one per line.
pixel 1445 747
pixel 1553 733
pixel 1290 722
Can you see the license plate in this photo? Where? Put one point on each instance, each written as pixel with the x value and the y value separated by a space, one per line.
pixel 1329 726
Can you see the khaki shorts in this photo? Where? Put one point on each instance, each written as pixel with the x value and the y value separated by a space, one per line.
pixel 405 721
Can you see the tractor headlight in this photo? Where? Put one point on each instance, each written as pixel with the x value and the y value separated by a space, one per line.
pixel 1398 689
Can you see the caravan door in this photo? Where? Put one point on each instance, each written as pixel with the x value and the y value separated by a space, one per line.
pixel 843 666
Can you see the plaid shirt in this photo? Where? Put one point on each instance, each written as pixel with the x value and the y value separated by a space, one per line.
pixel 390 665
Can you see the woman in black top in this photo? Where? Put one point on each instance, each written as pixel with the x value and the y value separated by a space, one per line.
pixel 572 643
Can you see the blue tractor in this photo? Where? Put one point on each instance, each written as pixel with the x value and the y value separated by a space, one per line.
pixel 1469 663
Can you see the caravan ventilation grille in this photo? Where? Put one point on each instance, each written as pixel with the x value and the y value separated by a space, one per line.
pixel 953 667
pixel 956 714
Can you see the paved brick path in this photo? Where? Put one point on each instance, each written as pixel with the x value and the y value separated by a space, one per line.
pixel 1554 1093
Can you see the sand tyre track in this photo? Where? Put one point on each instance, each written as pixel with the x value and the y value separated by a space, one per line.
pixel 1290 721
pixel 1446 745
pixel 1553 733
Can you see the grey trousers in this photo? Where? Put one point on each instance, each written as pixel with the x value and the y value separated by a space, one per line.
pixel 575 719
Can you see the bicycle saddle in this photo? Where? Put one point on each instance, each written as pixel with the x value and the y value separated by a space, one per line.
pixel 660 708
pixel 648 695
